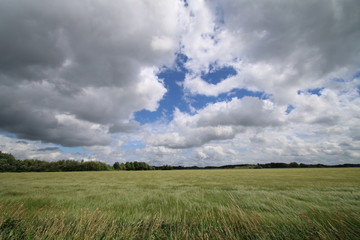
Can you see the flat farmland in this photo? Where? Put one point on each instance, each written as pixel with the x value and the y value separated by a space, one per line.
pixel 182 204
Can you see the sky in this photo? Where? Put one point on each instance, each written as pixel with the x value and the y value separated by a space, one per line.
pixel 195 82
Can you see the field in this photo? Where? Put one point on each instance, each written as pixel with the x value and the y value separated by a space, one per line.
pixel 184 204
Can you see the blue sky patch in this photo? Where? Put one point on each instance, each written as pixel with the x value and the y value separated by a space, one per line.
pixel 313 91
pixel 356 75
pixel 289 109
pixel 241 149
pixel 341 80
pixel 217 75
pixel 11 135
pixel 173 98
pixel 200 101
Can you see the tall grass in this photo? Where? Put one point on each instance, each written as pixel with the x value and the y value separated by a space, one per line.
pixel 186 204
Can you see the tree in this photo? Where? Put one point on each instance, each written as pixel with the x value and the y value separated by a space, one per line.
pixel 7 162
pixel 129 166
pixel 294 165
pixel 166 167
pixel 117 166
pixel 122 166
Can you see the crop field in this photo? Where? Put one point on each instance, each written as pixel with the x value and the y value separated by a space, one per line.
pixel 182 204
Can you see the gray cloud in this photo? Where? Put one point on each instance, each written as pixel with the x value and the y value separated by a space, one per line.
pixel 123 127
pixel 48 149
pixel 194 137
pixel 28 41
pixel 322 33
pixel 36 122
pixel 91 61
pixel 355 133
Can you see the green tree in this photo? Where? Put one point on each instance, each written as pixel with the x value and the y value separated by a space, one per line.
pixel 7 162
pixel 294 165
pixel 122 166
pixel 129 166
pixel 117 166
pixel 166 167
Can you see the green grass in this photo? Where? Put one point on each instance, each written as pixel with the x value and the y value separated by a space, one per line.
pixel 184 204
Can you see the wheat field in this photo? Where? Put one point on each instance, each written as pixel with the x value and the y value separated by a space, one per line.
pixel 182 204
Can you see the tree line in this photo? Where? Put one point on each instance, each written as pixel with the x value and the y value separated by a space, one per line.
pixel 286 165
pixel 132 166
pixel 8 163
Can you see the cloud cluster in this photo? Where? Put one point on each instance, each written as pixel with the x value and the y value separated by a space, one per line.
pixel 22 149
pixel 218 121
pixel 71 71
pixel 276 47
pixel 285 50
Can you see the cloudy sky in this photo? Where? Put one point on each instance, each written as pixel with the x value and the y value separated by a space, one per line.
pixel 179 82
